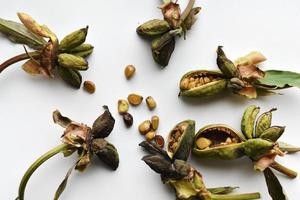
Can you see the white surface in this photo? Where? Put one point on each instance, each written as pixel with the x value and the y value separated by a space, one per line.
pixel 26 103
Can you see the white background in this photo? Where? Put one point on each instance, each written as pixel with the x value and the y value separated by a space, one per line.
pixel 26 103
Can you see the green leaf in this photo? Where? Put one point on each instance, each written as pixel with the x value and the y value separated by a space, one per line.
pixel 18 33
pixel 274 186
pixel 280 79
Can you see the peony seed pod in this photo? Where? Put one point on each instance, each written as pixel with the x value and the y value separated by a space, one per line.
pixel 72 62
pixel 153 28
pixel 73 40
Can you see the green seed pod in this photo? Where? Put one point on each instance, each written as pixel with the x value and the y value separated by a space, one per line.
pixel 73 40
pixel 180 140
pixel 202 83
pixel 82 50
pixel 72 62
pixel 106 152
pixel 153 28
pixel 70 76
pixel 225 142
pixel 103 125
pixel 273 133
pixel 256 148
pixel 163 47
pixel 191 18
pixel 225 65
pixel 263 122
pixel 248 120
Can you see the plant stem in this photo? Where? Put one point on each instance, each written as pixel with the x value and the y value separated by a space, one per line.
pixel 187 10
pixel 36 164
pixel 290 173
pixel 166 1
pixel 236 196
pixel 18 58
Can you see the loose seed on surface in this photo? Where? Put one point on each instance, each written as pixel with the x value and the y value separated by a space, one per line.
pixel 129 71
pixel 145 127
pixel 150 136
pixel 123 106
pixel 159 140
pixel 150 102
pixel 155 122
pixel 135 99
pixel 128 119
pixel 89 86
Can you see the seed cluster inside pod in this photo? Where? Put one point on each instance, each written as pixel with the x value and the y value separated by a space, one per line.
pixel 175 136
pixel 216 136
pixel 198 79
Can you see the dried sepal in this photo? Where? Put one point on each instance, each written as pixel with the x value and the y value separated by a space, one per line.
pixel 33 67
pixel 191 18
pixel 61 120
pixel 171 12
pixel 76 134
pixel 103 125
pixel 83 162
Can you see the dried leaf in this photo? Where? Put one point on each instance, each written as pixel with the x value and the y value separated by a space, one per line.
pixel 103 125
pixel 249 92
pixel 250 72
pixel 83 162
pixel 159 164
pixel 172 12
pixel 63 184
pixel 274 186
pixel 32 67
pixel 280 79
pixel 154 149
pixel 18 33
pixel 76 134
pixel 288 148
pixel 61 120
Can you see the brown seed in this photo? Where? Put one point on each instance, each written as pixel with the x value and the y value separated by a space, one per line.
pixel 145 127
pixel 150 102
pixel 155 122
pixel 123 106
pixel 89 86
pixel 135 99
pixel 128 119
pixel 150 135
pixel 129 71
pixel 159 140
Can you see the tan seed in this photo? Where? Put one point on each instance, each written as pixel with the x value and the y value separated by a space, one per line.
pixel 206 80
pixel 203 143
pixel 129 71
pixel 191 79
pixel 150 102
pixel 145 127
pixel 192 84
pixel 184 84
pixel 135 99
pixel 150 136
pixel 228 140
pixel 89 86
pixel 201 81
pixel 123 106
pixel 155 122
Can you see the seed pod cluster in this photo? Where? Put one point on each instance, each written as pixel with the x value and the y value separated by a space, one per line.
pixel 162 33
pixel 66 57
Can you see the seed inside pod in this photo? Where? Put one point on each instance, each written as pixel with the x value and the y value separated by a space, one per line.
pixel 150 102
pixel 129 71
pixel 135 99
pixel 145 127
pixel 123 106
pixel 89 86
pixel 150 135
pixel 197 79
pixel 128 119
pixel 155 122
pixel 203 143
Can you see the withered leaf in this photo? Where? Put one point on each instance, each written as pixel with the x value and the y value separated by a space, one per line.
pixel 274 186
pixel 60 119
pixel 154 149
pixel 33 67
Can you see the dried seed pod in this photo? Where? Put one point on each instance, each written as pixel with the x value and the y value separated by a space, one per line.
pixel 225 65
pixel 159 140
pixel 72 62
pixel 73 40
pixel 263 122
pixel 128 119
pixel 70 76
pixel 191 18
pixel 150 135
pixel 248 120
pixel 145 127
pixel 150 102
pixel 129 71
pixel 83 50
pixel 202 83
pixel 106 152
pixel 89 86
pixel 180 140
pixel 135 99
pixel 103 125
pixel 123 106
pixel 215 136
pixel 273 133
pixel 256 148
pixel 154 122
pixel 153 28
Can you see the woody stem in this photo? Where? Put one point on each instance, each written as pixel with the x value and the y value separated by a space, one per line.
pixel 36 165
pixel 18 58
pixel 290 173
pixel 248 196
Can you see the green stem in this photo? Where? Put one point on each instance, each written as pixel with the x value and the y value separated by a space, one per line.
pixel 18 58
pixel 36 164
pixel 235 196
pixel 290 173
pixel 187 10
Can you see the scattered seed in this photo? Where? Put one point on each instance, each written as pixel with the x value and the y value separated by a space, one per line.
pixel 150 136
pixel 150 102
pixel 159 140
pixel 128 119
pixel 89 86
pixel 129 71
pixel 145 127
pixel 155 122
pixel 123 106
pixel 135 99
